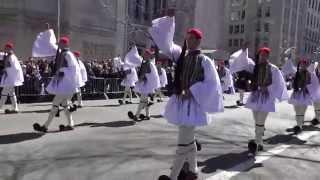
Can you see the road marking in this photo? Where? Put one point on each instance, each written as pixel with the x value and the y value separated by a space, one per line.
pixel 260 157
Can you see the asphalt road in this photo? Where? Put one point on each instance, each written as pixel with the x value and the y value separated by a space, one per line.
pixel 106 145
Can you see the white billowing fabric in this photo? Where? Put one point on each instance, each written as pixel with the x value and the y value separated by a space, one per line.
pixel 207 98
pixel 133 58
pixel 298 99
pixel 288 68
pixel 240 60
pixel 228 82
pixel 277 91
pixel 131 78
pixel 157 82
pixel 45 44
pixel 70 82
pixel 312 67
pixel 83 73
pixel 152 83
pixel 14 73
pixel 1 55
pixel 163 78
pixel 175 52
pixel 162 32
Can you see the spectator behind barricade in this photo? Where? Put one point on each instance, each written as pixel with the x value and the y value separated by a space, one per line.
pixel 90 72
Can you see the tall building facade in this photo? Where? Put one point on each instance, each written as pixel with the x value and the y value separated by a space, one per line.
pixel 140 14
pixel 310 30
pixel 279 24
pixel 208 15
pixel 92 25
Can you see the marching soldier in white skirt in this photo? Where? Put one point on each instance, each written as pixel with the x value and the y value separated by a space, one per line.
pixel 147 84
pixel 315 91
pixel 129 74
pixel 64 84
pixel 268 85
pixel 301 97
pixel 83 77
pixel 197 91
pixel 226 78
pixel 163 80
pixel 12 76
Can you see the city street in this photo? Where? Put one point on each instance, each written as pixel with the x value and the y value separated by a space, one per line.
pixel 107 145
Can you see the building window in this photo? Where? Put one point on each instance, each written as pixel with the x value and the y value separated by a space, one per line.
pixel 137 9
pixel 164 4
pixel 230 29
pixel 259 13
pixel 267 13
pixel 313 4
pixel 241 42
pixel 156 8
pixel 237 29
pixel 242 28
pixel 266 27
pixel 230 42
pixel 235 16
pixel 305 48
pixel 258 26
pixel 146 10
pixel 235 42
pixel 243 15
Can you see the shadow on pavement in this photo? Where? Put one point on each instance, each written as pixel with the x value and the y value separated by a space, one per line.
pixel 156 116
pixel 310 128
pixel 35 111
pixel 289 139
pixel 108 124
pixel 108 105
pixel 19 137
pixel 231 107
pixel 224 162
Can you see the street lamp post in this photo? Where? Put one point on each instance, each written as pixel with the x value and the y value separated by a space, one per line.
pixel 58 17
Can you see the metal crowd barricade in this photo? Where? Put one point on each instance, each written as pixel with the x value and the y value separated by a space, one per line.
pixel 103 86
pixel 34 87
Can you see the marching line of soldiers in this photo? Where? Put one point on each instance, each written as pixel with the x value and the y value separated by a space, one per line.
pixel 198 86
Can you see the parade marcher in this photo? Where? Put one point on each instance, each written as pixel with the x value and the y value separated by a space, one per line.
pixel 239 63
pixel 163 80
pixel 301 97
pixel 226 78
pixel 242 83
pixel 12 76
pixel 129 74
pixel 267 86
pixel 64 84
pixel 197 90
pixel 314 90
pixel 147 84
pixel 83 77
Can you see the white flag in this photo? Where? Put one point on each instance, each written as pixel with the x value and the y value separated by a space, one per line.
pixel 45 44
pixel 133 58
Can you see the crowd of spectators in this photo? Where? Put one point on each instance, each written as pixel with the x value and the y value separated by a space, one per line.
pixel 42 68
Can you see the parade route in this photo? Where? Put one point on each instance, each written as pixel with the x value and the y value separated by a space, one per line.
pixel 107 145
